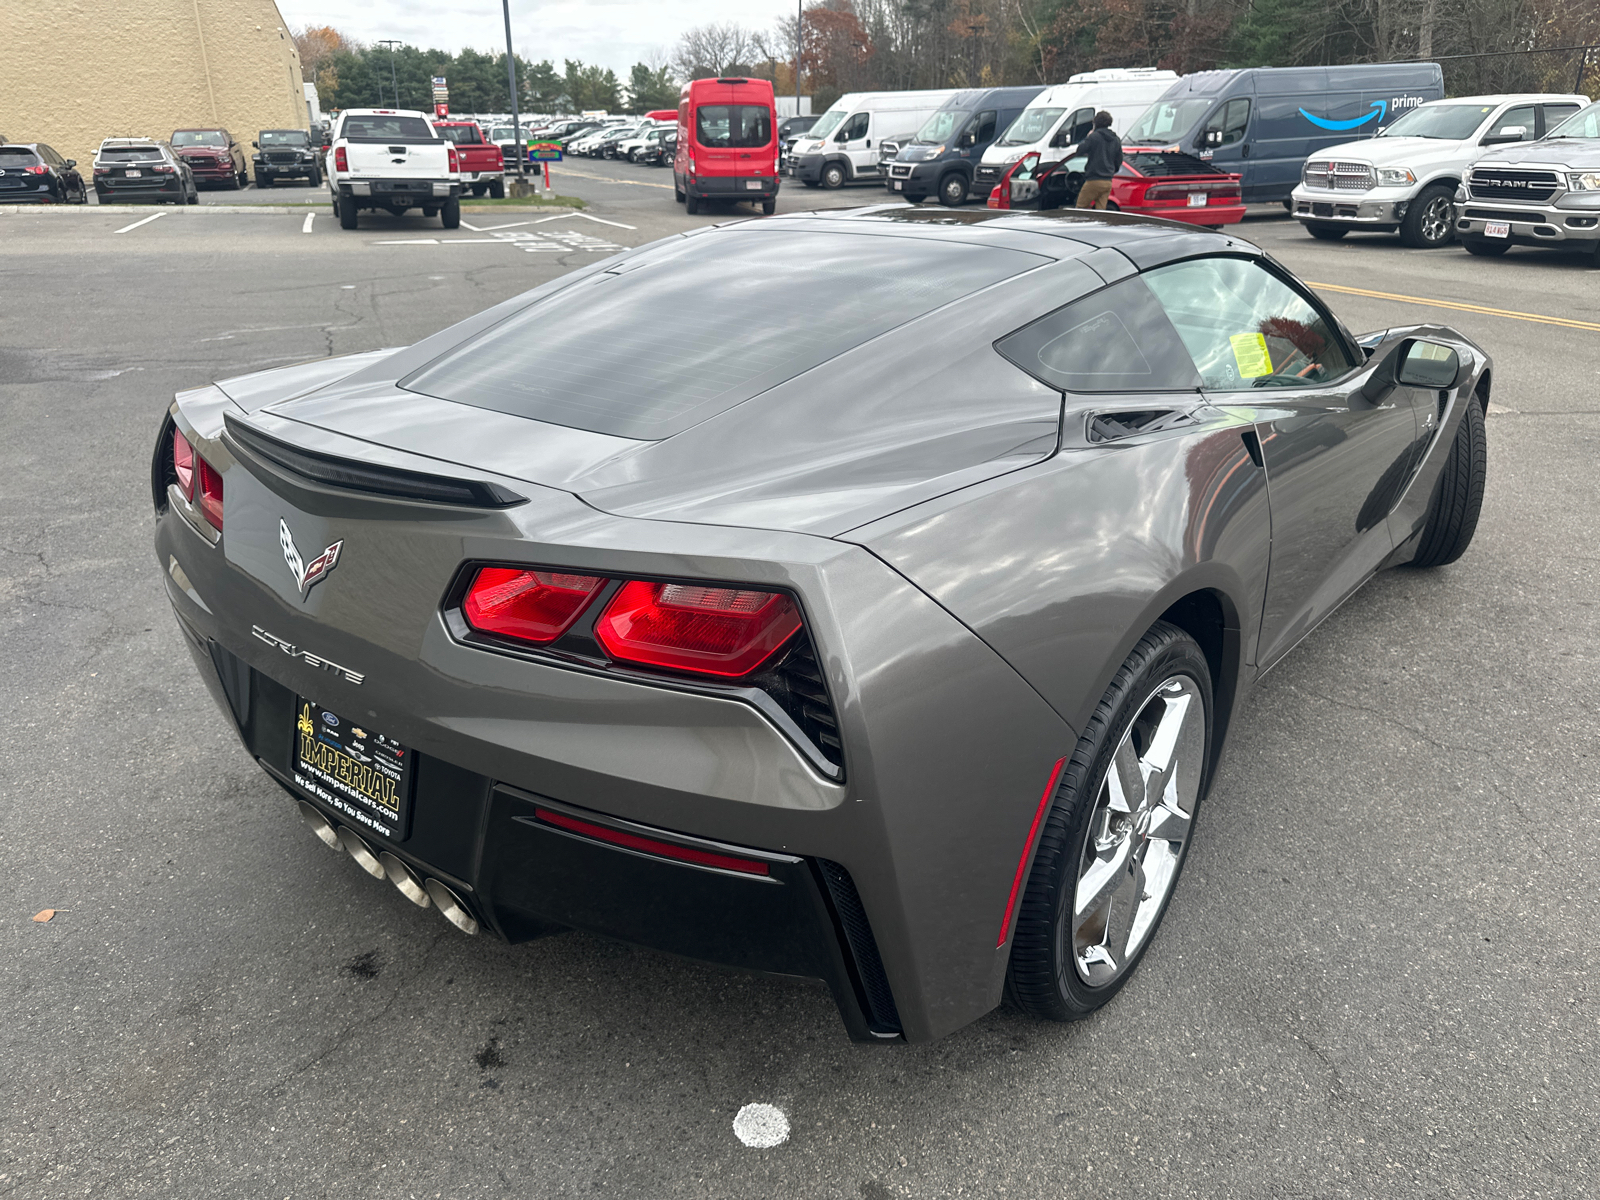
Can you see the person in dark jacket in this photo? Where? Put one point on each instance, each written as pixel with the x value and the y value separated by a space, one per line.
pixel 1103 151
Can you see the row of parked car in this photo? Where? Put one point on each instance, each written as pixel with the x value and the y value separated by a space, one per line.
pixel 167 170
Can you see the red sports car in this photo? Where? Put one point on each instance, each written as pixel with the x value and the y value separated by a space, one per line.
pixel 1159 183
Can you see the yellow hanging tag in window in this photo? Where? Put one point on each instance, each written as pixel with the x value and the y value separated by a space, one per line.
pixel 1250 352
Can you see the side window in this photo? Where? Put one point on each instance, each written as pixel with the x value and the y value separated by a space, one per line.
pixel 1554 114
pixel 1079 125
pixel 983 128
pixel 1245 328
pixel 1116 340
pixel 1515 124
pixel 1230 120
pixel 855 128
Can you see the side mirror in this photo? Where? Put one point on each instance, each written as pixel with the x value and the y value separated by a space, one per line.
pixel 1059 141
pixel 1505 134
pixel 72 162
pixel 1213 138
pixel 257 145
pixel 1429 365
pixel 968 139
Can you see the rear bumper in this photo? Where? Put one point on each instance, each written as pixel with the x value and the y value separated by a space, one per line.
pixel 42 194
pixel 1211 214
pixel 384 191
pixel 137 189
pixel 733 187
pixel 482 176
pixel 907 861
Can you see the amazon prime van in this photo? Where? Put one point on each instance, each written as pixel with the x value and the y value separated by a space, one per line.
pixel 1263 122
pixel 843 145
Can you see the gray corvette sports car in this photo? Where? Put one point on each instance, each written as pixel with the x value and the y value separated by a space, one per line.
pixel 862 596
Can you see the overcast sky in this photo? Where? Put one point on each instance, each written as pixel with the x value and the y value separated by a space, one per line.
pixel 613 33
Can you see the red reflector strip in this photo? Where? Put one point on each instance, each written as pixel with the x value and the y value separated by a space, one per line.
pixel 1027 847
pixel 632 841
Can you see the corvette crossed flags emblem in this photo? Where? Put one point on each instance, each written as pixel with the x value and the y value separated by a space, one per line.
pixel 306 574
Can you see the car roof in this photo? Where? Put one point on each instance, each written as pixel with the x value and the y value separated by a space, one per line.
pixel 1508 97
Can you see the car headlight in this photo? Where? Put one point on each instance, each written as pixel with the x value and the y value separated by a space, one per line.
pixel 1584 181
pixel 1395 177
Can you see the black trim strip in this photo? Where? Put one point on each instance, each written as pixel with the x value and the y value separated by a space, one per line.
pixel 871 981
pixel 361 477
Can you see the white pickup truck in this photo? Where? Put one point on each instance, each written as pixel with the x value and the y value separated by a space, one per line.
pixel 392 159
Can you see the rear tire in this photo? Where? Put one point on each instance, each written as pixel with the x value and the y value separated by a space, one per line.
pixel 1483 247
pixel 347 212
pixel 691 203
pixel 768 207
pixel 316 178
pixel 1458 496
pixel 1325 233
pixel 1430 221
pixel 497 190
pixel 450 213
pixel 1113 838
pixel 952 190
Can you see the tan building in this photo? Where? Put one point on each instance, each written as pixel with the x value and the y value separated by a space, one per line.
pixel 77 71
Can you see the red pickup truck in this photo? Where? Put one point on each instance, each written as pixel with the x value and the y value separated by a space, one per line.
pixel 483 168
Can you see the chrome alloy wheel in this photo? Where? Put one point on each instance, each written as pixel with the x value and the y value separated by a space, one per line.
pixel 1438 218
pixel 1136 834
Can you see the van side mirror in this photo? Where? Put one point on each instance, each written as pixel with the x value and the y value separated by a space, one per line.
pixel 1213 138
pixel 1060 140
pixel 1429 365
pixel 969 138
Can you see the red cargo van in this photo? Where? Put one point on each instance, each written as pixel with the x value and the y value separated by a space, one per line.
pixel 727 143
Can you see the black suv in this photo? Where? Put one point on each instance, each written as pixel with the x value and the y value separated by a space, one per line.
pixel 135 169
pixel 285 154
pixel 33 173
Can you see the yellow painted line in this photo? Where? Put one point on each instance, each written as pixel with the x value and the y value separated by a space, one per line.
pixel 1509 313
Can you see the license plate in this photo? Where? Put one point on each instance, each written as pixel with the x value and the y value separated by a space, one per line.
pixel 354 770
pixel 1197 199
pixel 899 185
pixel 402 201
pixel 132 174
pixel 752 185
pixel 1497 229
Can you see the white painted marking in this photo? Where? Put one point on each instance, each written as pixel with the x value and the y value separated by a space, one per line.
pixel 761 1126
pixel 410 242
pixel 474 228
pixel 492 228
pixel 146 221
pixel 586 217
pixel 306 228
pixel 347 287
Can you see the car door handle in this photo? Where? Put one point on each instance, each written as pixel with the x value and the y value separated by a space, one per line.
pixel 869 143
pixel 1244 150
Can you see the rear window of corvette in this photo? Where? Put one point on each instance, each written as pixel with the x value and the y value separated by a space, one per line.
pixel 688 331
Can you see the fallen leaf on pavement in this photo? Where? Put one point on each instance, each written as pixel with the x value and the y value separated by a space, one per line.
pixel 44 914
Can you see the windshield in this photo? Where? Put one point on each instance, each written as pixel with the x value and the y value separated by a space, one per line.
pixel 1168 119
pixel 943 125
pixel 829 122
pixel 287 137
pixel 1584 124
pixel 1451 122
pixel 741 126
pixel 502 133
pixel 198 137
pixel 1034 125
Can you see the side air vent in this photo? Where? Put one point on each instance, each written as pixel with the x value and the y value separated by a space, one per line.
pixel 1108 427
pixel 797 685
pixel 162 470
pixel 363 477
pixel 882 1016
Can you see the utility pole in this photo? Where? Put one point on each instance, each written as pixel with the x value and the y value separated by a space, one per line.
pixel 516 113
pixel 392 43
pixel 799 41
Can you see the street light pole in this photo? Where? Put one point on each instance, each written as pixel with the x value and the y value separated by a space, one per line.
pixel 516 114
pixel 799 42
pixel 392 43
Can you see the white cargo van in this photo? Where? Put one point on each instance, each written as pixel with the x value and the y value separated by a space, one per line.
pixel 1061 116
pixel 843 144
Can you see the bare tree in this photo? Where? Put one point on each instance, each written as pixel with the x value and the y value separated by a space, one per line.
pixel 710 50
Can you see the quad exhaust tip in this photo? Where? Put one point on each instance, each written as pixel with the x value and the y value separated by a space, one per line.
pixel 405 879
pixel 450 905
pixel 319 825
pixel 383 865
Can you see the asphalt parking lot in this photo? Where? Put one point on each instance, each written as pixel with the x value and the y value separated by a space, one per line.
pixel 1378 976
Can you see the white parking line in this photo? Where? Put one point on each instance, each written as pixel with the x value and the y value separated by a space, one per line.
pixel 586 217
pixel 410 242
pixel 145 221
pixel 306 228
pixel 492 228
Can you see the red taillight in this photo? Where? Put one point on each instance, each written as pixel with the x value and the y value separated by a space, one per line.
pixel 210 492
pixel 1027 846
pixel 649 845
pixel 39 170
pixel 531 606
pixel 687 627
pixel 183 464
pixel 341 161
pixel 455 160
pixel 164 169
pixel 499 159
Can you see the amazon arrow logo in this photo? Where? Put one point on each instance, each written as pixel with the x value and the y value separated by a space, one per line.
pixel 1380 109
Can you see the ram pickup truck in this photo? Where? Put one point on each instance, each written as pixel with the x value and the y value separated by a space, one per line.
pixel 393 159
pixel 483 165
pixel 1406 177
pixel 1546 193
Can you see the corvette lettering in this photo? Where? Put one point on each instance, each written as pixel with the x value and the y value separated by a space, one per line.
pixel 305 656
